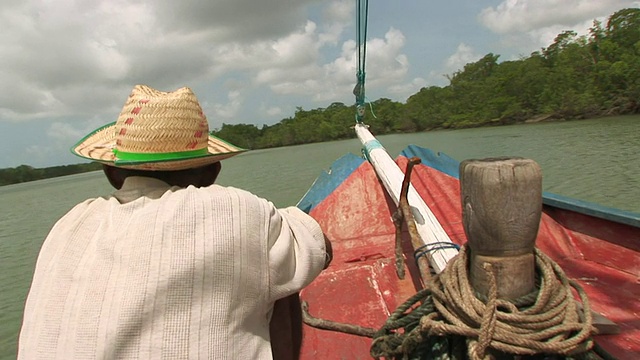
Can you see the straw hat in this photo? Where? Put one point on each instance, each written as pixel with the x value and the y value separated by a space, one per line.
pixel 156 130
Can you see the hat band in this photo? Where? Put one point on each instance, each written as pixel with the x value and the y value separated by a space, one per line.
pixel 178 155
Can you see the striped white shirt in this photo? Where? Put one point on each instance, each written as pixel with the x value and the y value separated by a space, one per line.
pixel 155 272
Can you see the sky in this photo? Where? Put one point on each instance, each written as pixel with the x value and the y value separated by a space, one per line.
pixel 67 67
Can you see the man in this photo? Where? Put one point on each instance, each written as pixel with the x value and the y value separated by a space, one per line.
pixel 170 266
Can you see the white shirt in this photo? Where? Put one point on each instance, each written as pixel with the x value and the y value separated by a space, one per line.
pixel 156 272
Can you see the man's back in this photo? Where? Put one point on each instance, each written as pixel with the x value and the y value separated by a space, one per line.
pixel 155 272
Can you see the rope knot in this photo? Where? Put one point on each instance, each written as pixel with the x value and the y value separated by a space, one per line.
pixel 430 324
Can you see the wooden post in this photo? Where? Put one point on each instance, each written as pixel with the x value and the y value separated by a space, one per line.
pixel 501 210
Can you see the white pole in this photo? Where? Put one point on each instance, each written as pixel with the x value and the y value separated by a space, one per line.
pixel 391 176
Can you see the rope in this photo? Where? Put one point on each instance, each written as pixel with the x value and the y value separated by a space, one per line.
pixel 431 247
pixel 450 316
pixel 362 11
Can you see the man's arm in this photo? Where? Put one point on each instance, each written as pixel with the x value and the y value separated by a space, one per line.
pixel 297 252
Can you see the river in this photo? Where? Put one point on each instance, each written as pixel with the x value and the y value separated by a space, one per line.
pixel 595 160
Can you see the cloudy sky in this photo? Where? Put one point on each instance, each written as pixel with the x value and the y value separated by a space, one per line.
pixel 67 66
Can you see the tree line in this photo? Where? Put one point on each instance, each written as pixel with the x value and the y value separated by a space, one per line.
pixel 575 77
pixel 24 173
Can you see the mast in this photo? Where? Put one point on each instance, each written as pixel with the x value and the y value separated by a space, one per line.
pixel 435 239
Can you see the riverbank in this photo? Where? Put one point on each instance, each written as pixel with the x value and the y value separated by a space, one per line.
pixel 25 173
pixel 552 117
pixel 543 118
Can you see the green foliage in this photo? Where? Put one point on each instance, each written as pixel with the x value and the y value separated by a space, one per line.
pixel 24 173
pixel 574 77
pixel 242 135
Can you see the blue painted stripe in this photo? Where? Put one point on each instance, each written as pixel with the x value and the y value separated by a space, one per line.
pixel 451 167
pixel 342 168
pixel 328 181
pixel 440 161
pixel 592 209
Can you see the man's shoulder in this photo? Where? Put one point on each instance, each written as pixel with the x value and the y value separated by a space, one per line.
pixel 89 206
pixel 219 197
pixel 223 188
pixel 219 191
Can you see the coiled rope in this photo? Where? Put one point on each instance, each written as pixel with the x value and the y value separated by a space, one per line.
pixel 451 317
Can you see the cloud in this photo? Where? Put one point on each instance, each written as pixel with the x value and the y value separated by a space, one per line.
pixel 297 69
pixel 69 58
pixel 232 20
pixel 336 16
pixel 403 91
pixel 532 24
pixel 66 56
pixel 386 63
pixel 64 131
pixel 292 59
pixel 464 54
pixel 36 154
pixel 274 111
pixel 227 111
pixel 526 15
pixel 58 138
pixel 68 63
pixel 386 69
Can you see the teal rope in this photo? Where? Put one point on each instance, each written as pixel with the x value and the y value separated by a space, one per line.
pixel 362 14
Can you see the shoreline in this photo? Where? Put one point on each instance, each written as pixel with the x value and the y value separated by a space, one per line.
pixel 545 118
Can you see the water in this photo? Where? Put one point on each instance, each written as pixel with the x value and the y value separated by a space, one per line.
pixel 594 160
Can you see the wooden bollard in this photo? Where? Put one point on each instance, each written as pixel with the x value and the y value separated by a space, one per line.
pixel 501 210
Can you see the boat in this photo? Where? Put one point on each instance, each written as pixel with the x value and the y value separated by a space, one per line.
pixel 598 247
pixel 421 238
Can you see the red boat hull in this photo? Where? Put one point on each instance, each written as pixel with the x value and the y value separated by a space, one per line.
pixel 361 286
